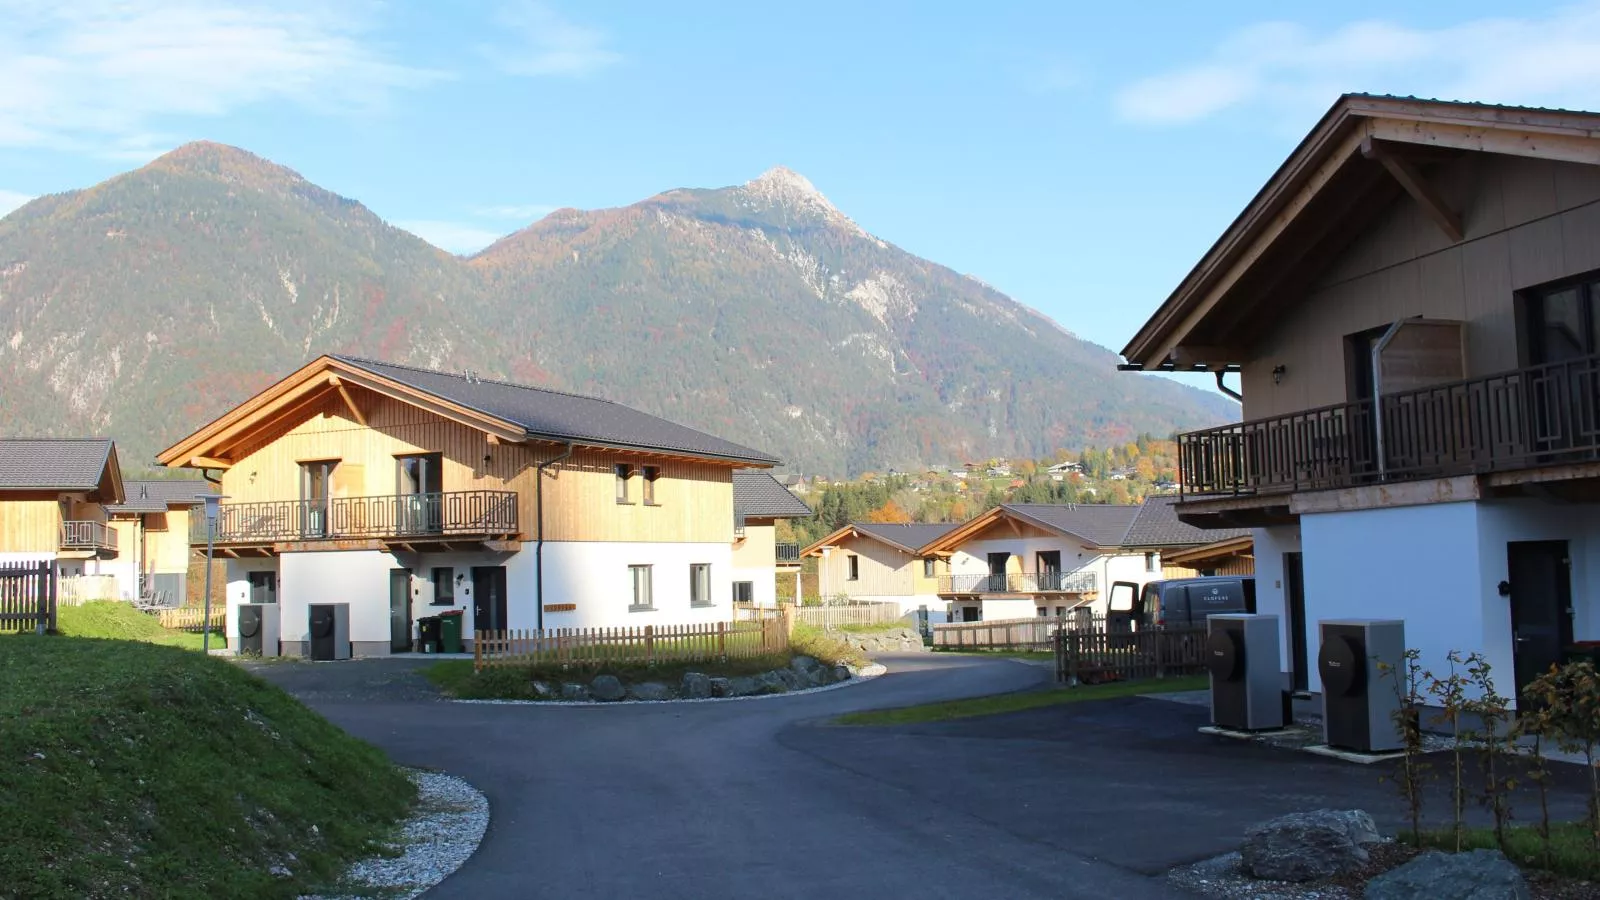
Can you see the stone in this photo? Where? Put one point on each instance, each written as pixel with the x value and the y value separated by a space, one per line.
pixel 721 687
pixel 841 673
pixel 743 686
pixel 771 683
pixel 1309 845
pixel 279 871
pixel 695 686
pixel 650 690
pixel 804 664
pixel 792 680
pixel 816 676
pixel 607 688
pixel 542 689
pixel 1479 875
pixel 571 691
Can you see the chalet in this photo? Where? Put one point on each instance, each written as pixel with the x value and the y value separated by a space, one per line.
pixel 1412 303
pixel 152 529
pixel 53 498
pixel 405 491
pixel 881 561
pixel 759 501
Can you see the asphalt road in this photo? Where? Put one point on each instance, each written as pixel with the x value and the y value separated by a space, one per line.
pixel 764 798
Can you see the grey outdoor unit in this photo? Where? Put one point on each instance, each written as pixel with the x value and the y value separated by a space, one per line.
pixel 1359 701
pixel 258 629
pixel 330 631
pixel 1246 686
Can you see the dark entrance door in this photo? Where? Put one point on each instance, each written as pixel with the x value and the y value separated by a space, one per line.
pixel 1541 606
pixel 997 571
pixel 399 610
pixel 1294 596
pixel 1048 565
pixel 263 587
pixel 489 598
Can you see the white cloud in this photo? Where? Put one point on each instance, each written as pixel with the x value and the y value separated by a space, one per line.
pixel 523 213
pixel 102 74
pixel 1287 70
pixel 457 237
pixel 10 200
pixel 547 43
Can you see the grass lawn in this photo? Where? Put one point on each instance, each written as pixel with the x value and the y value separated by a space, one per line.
pixel 1572 848
pixel 1005 703
pixel 119 621
pixel 134 770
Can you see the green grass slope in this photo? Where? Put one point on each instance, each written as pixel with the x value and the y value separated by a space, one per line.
pixel 134 770
pixel 119 621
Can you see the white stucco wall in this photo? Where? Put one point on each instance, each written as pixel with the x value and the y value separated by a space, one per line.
pixel 237 591
pixel 1271 595
pixel 763 581
pixel 972 558
pixel 357 577
pixel 595 576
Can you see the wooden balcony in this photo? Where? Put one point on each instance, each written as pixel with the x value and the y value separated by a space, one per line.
pixel 450 517
pixel 1524 419
pixel 1019 583
pixel 95 537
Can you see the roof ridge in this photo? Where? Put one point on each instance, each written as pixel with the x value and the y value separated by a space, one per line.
pixel 476 380
pixel 86 440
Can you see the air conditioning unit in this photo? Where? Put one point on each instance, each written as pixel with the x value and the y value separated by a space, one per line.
pixel 330 631
pixel 1246 682
pixel 258 629
pixel 1359 701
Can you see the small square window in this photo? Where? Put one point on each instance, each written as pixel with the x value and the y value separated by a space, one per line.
pixel 700 584
pixel 927 568
pixel 643 593
pixel 1152 562
pixel 1044 611
pixel 854 572
pixel 744 592
pixel 651 473
pixel 444 586
pixel 624 472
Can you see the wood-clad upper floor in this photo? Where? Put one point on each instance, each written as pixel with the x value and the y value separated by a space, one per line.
pixel 54 493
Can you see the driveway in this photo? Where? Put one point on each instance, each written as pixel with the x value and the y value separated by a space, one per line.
pixel 764 798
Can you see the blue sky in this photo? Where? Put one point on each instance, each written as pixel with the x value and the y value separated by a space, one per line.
pixel 1080 159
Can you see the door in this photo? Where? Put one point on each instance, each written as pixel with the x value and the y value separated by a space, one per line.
pixel 399 610
pixel 997 571
pixel 489 598
pixel 1541 607
pixel 1294 597
pixel 419 482
pixel 1562 334
pixel 315 480
pixel 1048 564
pixel 263 587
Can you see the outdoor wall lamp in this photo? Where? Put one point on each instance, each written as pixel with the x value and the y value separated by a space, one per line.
pixel 1504 588
pixel 1277 373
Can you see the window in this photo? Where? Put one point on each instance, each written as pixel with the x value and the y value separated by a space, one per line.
pixel 624 471
pixel 744 592
pixel 419 482
pixel 1044 611
pixel 700 584
pixel 853 572
pixel 444 586
pixel 1562 324
pixel 927 568
pixel 1061 611
pixel 643 595
pixel 316 478
pixel 1152 562
pixel 651 473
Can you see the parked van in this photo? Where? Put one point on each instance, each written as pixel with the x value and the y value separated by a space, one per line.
pixel 1181 601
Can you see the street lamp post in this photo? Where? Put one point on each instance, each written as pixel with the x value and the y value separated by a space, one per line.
pixel 213 503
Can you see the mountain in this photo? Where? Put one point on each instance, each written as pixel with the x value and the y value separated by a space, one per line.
pixel 147 304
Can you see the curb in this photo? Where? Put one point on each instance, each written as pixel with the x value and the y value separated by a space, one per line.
pixel 857 676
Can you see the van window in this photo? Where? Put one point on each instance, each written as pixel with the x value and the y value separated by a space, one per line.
pixel 1151 602
pixel 1122 596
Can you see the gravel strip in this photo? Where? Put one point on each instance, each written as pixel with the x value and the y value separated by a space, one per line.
pixel 857 676
pixel 442 833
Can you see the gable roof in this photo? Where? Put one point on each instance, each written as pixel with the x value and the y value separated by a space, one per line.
pixel 160 495
pixel 1152 524
pixel 514 412
pixel 757 495
pixel 905 537
pixel 1334 183
pixel 1157 525
pixel 61 464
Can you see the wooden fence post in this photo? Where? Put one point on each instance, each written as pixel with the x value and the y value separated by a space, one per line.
pixel 787 613
pixel 477 651
pixel 722 640
pixel 650 644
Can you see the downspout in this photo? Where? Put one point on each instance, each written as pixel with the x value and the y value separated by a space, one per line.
pixel 206 474
pixel 1228 390
pixel 1377 394
pixel 538 547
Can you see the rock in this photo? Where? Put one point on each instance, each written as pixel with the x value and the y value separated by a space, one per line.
pixel 841 673
pixel 695 686
pixel 816 677
pixel 792 680
pixel 720 687
pixel 574 692
pixel 542 689
pixel 743 686
pixel 1309 845
pixel 771 683
pixel 607 688
pixel 1479 875
pixel 279 871
pixel 898 640
pixel 650 690
pixel 804 664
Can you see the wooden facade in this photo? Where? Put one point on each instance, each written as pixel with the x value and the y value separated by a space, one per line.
pixel 881 570
pixel 30 523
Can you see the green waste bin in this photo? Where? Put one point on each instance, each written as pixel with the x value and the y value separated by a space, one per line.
pixel 450 631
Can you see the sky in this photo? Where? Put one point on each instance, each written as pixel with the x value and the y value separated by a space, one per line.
pixel 1078 158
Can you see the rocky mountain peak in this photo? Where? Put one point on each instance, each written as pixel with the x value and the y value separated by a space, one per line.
pixel 783 188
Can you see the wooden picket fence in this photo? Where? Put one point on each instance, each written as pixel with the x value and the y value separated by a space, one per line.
pixel 1032 633
pixel 76 590
pixel 648 645
pixel 859 612
pixel 191 618
pixel 27 597
pixel 1096 657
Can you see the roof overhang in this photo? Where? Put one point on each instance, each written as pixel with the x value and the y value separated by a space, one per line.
pixel 1364 153
pixel 948 543
pixel 1239 546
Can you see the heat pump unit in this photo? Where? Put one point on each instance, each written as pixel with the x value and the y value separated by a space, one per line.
pixel 1359 701
pixel 1246 684
pixel 330 631
pixel 258 629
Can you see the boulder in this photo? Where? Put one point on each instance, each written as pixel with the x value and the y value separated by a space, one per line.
pixel 607 688
pixel 743 686
pixel 1310 845
pixel 574 692
pixel 841 673
pixel 721 687
pixel 898 640
pixel 695 686
pixel 805 665
pixel 542 689
pixel 771 683
pixel 1479 875
pixel 650 690
pixel 792 680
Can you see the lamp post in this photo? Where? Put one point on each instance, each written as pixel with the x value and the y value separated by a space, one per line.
pixel 213 504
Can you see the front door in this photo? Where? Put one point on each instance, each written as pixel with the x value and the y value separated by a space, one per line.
pixel 1048 564
pixel 263 587
pixel 489 598
pixel 997 571
pixel 1294 596
pixel 399 610
pixel 1541 606
pixel 419 480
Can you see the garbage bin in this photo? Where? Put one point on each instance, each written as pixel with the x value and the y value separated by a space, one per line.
pixel 450 631
pixel 428 634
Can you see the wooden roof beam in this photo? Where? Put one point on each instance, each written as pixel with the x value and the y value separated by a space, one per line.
pixel 1528 142
pixel 349 401
pixel 1420 189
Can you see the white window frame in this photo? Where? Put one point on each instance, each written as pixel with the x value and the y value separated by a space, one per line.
pixel 649 599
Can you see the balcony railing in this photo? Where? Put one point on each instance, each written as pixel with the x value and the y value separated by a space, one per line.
pixel 787 552
pixel 1539 416
pixel 416 516
pixel 1047 582
pixel 87 535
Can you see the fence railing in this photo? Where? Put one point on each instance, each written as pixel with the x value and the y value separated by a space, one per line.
pixel 1094 657
pixel 191 618
pixel 420 516
pixel 1036 633
pixel 1047 582
pixel 750 612
pixel 87 535
pixel 787 552
pixel 76 590
pixel 862 612
pixel 27 597
pixel 1538 416
pixel 591 647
